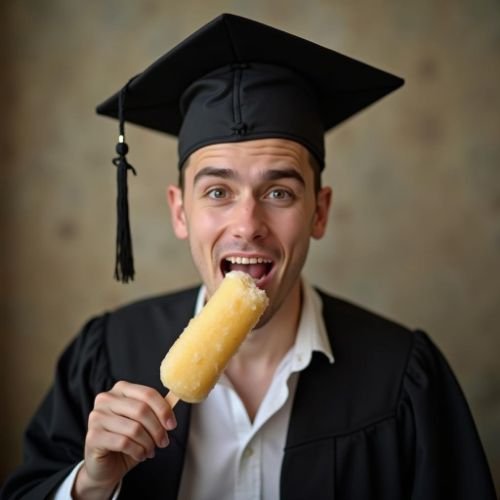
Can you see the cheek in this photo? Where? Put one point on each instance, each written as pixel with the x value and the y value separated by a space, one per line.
pixel 293 241
pixel 205 227
pixel 294 227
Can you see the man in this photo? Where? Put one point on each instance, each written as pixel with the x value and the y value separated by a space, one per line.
pixel 324 399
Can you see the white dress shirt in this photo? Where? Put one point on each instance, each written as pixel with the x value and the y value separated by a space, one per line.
pixel 228 456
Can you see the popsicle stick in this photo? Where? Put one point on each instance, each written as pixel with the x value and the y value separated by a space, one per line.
pixel 172 399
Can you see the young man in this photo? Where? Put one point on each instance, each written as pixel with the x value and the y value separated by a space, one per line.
pixel 324 399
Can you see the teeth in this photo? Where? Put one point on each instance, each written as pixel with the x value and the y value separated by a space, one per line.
pixel 248 260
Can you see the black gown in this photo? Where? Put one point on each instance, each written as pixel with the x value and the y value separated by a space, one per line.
pixel 386 421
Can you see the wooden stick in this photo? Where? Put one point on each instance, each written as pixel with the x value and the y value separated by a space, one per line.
pixel 172 399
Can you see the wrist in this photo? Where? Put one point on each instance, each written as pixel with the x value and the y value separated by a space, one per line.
pixel 87 488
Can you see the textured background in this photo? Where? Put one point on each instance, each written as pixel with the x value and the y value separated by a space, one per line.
pixel 415 229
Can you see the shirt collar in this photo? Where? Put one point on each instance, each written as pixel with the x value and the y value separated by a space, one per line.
pixel 311 333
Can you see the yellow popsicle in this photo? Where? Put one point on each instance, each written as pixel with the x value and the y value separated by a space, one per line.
pixel 195 361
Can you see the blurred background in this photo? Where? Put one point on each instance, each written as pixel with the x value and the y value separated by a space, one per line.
pixel 415 227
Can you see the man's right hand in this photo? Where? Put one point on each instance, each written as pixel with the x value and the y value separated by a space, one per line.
pixel 126 425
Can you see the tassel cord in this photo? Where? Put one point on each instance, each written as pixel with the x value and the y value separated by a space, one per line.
pixel 124 260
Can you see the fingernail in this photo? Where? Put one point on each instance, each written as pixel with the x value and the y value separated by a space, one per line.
pixel 164 441
pixel 171 423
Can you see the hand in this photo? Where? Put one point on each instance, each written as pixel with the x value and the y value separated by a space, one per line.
pixel 126 425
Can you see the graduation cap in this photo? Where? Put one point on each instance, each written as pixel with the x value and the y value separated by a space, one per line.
pixel 235 80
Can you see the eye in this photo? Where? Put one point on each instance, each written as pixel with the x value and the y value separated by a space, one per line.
pixel 217 193
pixel 280 194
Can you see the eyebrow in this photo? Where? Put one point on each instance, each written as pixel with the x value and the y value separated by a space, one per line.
pixel 223 173
pixel 269 175
pixel 283 173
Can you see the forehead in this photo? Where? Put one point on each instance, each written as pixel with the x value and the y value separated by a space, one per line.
pixel 253 155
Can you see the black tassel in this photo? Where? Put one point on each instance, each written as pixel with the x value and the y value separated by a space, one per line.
pixel 124 264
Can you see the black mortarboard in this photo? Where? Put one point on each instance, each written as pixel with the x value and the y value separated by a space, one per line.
pixel 233 80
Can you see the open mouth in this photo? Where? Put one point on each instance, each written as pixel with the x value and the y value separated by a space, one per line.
pixel 257 267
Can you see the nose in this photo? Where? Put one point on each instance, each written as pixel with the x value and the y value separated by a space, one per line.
pixel 248 221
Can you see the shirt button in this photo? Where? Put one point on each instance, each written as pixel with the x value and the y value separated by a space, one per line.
pixel 247 453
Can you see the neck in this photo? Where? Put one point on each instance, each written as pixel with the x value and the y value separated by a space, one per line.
pixel 252 368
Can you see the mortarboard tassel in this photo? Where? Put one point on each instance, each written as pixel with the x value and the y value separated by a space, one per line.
pixel 124 264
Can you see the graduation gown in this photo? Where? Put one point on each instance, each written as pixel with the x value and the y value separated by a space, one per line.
pixel 386 421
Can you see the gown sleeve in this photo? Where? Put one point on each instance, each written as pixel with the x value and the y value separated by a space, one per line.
pixel 448 459
pixel 54 439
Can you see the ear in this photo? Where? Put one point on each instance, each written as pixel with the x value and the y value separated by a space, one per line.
pixel 323 201
pixel 177 214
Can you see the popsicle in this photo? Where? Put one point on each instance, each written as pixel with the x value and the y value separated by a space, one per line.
pixel 195 361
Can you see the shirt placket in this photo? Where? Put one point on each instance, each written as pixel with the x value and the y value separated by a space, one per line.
pixel 248 480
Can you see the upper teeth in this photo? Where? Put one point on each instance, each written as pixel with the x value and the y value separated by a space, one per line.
pixel 248 260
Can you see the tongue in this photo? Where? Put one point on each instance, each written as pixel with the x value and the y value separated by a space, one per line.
pixel 256 271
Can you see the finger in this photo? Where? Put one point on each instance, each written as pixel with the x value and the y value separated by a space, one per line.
pixel 139 413
pixel 153 398
pixel 101 442
pixel 134 430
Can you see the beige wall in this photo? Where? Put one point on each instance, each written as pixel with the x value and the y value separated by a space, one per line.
pixel 415 230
